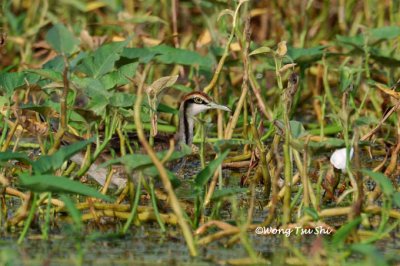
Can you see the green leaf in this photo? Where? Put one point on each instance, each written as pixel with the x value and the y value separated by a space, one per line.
pixel 385 33
pixel 10 81
pixel 55 64
pixel 297 129
pixel 383 182
pixel 346 78
pixel 306 55
pixel 205 174
pixel 328 144
pixel 119 77
pixel 98 104
pixel 102 61
pixel 152 171
pixel 120 99
pixel 48 74
pixel 49 163
pixel 375 35
pixel 166 109
pixel 168 55
pixel 366 120
pixel 146 19
pixel 142 161
pixel 340 236
pixel 224 144
pixel 143 54
pixel 58 184
pixel 41 109
pixel 73 212
pixel 396 199
pixel 171 55
pixel 226 192
pixel 312 213
pixel 370 252
pixel 9 155
pixel 92 87
pixel 182 88
pixel 61 39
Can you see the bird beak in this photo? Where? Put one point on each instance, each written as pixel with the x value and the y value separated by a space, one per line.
pixel 213 105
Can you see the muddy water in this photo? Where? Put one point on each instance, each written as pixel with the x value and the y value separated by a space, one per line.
pixel 145 245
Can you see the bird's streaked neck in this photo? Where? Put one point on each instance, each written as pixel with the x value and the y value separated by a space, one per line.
pixel 186 124
pixel 193 104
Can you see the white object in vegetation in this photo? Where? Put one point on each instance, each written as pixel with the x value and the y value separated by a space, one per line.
pixel 338 158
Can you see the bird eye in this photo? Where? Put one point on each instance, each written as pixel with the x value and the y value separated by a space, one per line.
pixel 198 100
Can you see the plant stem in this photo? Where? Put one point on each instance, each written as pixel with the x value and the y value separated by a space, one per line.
pixel 134 206
pixel 163 173
pixel 28 220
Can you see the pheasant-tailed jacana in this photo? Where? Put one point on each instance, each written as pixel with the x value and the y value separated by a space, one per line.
pixel 191 105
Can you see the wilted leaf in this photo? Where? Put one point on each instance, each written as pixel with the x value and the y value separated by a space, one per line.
pixel 146 19
pixel 282 49
pixel 157 86
pixel 226 12
pixel 261 50
pixel 388 91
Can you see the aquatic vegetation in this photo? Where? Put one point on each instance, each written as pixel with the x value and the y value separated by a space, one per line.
pixel 91 100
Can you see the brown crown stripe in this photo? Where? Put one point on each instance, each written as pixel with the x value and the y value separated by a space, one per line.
pixel 199 94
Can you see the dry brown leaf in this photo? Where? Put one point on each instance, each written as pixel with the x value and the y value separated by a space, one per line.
pixel 150 41
pixel 235 47
pixel 258 12
pixel 282 49
pixel 3 38
pixel 204 39
pixel 286 67
pixel 94 5
pixel 86 39
pixel 388 91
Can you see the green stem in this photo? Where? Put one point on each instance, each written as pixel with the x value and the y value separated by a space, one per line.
pixel 46 228
pixel 154 203
pixel 28 220
pixel 134 206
